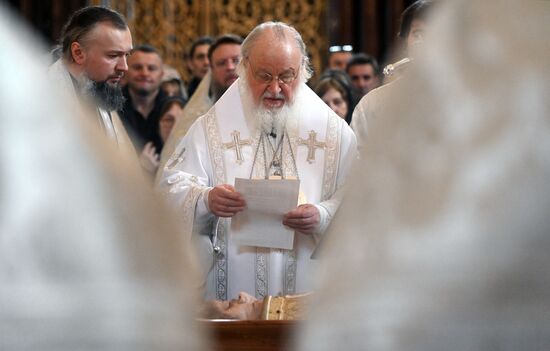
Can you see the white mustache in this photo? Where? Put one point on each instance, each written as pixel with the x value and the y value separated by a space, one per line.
pixel 273 96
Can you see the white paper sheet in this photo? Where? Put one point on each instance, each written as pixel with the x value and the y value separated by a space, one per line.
pixel 261 223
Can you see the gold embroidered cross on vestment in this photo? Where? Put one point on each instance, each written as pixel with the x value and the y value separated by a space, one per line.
pixel 237 143
pixel 312 144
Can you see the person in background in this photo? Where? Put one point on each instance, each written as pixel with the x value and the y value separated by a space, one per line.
pixel 338 56
pixel 94 45
pixel 364 72
pixel 224 54
pixel 375 104
pixel 171 82
pixel 141 111
pixel 335 89
pixel 170 112
pixel 198 62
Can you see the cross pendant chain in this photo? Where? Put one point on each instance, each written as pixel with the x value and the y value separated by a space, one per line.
pixel 276 156
pixel 237 143
pixel 312 144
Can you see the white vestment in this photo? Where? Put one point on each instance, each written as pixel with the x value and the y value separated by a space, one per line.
pixel 198 105
pixel 204 159
pixel 443 242
pixel 109 120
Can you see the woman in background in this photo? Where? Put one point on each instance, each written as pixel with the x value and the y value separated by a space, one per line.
pixel 171 111
pixel 335 89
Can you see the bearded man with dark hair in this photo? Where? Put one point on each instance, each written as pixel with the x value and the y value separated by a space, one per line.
pixel 95 44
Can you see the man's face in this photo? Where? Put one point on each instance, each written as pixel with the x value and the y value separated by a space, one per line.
pixel 103 53
pixel 224 64
pixel 272 72
pixel 363 77
pixel 144 72
pixel 199 63
pixel 339 60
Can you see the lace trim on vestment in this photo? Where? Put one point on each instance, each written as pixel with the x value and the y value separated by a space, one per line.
pixel 332 152
pixel 215 149
pixel 289 170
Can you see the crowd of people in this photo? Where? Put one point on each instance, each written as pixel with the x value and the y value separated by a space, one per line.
pixel 252 111
pixel 148 85
pixel 248 112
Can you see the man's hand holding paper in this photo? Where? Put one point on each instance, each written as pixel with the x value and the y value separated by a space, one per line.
pixel 224 201
pixel 303 218
pixel 261 222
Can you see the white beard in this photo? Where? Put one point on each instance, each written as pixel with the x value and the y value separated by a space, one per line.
pixel 269 121
pixel 273 121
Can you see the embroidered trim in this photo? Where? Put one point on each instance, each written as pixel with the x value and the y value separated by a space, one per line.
pixel 221 262
pixel 332 150
pixel 262 272
pixel 215 149
pixel 175 159
pixel 289 286
pixel 291 165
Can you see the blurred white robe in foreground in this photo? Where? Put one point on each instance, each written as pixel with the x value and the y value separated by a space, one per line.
pixel 88 261
pixel 443 242
pixel 204 158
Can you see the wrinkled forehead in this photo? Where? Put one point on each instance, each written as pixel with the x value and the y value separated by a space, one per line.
pixel 275 55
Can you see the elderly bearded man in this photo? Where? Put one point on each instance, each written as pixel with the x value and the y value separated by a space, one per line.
pixel 278 127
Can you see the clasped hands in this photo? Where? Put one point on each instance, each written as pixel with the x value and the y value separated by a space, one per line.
pixel 225 201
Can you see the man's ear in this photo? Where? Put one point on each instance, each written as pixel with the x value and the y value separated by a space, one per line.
pixel 78 53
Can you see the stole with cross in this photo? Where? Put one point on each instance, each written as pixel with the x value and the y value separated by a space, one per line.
pixel 311 143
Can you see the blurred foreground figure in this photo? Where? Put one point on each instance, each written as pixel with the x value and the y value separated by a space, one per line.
pixel 443 242
pixel 87 261
pixel 373 105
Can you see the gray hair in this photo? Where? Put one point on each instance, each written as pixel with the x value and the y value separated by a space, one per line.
pixel 282 32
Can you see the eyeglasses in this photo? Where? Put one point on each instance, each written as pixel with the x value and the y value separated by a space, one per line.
pixel 342 48
pixel 266 78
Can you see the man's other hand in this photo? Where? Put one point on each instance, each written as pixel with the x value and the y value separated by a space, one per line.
pixel 224 201
pixel 303 218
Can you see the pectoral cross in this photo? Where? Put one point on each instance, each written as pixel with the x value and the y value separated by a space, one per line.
pixel 237 143
pixel 312 144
